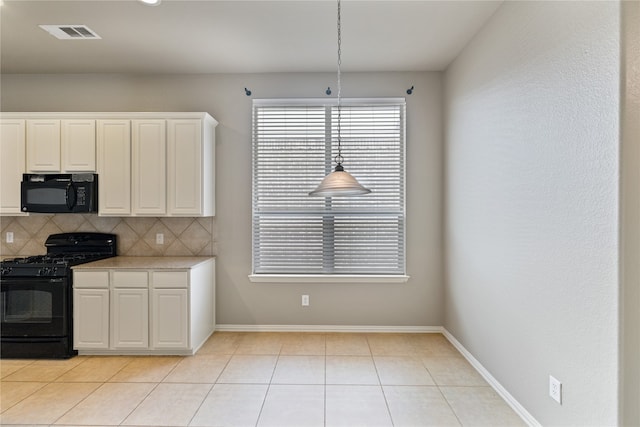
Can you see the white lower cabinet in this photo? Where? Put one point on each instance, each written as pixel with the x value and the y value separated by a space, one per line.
pixel 169 318
pixel 129 318
pixel 124 311
pixel 129 309
pixel 91 318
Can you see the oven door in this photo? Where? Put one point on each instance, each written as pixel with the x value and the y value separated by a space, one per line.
pixel 34 307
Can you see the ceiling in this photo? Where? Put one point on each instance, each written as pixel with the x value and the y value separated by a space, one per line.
pixel 211 36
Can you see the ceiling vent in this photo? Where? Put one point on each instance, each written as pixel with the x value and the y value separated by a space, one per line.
pixel 71 32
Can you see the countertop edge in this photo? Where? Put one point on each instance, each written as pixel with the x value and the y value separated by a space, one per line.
pixel 155 263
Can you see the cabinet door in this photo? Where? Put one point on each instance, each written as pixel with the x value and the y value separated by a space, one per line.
pixel 184 167
pixel 169 319
pixel 129 318
pixel 91 319
pixel 43 145
pixel 149 175
pixel 12 164
pixel 114 167
pixel 78 145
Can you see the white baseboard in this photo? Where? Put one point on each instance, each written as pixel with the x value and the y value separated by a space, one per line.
pixel 511 401
pixel 330 328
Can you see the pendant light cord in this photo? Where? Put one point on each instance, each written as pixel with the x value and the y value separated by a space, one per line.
pixel 339 157
pixel 342 183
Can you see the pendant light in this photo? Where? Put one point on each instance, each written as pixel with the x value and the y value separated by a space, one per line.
pixel 339 182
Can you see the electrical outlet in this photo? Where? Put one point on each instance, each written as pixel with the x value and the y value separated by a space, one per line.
pixel 555 389
pixel 9 237
pixel 159 239
pixel 305 300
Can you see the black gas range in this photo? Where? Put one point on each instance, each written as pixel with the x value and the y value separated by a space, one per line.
pixel 36 300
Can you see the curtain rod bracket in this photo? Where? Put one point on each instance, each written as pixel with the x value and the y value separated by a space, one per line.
pixel 410 90
pixel 247 92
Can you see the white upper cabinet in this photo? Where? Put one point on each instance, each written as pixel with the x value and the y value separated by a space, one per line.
pixel 190 160
pixel 149 178
pixel 78 145
pixel 12 164
pixel 148 164
pixel 184 166
pixel 114 167
pixel 43 145
pixel 61 145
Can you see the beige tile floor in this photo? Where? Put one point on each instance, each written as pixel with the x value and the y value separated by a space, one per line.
pixel 260 379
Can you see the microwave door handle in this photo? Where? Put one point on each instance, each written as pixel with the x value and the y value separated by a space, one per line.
pixel 71 196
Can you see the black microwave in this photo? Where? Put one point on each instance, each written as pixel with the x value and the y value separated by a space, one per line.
pixel 59 193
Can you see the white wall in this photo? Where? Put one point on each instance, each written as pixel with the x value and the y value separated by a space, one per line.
pixel 419 302
pixel 532 138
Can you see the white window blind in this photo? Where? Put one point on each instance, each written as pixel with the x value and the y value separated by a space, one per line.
pixel 294 145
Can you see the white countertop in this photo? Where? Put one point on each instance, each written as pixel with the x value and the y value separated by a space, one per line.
pixel 143 262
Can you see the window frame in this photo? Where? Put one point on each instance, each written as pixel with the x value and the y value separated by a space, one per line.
pixel 330 105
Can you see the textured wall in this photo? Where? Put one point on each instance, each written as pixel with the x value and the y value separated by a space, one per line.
pixel 532 205
pixel 630 215
pixel 136 235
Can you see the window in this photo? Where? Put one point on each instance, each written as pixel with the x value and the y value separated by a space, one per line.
pixel 294 145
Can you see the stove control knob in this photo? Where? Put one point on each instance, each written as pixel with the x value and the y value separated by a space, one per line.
pixel 6 271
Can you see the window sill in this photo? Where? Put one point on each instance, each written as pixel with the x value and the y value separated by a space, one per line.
pixel 322 278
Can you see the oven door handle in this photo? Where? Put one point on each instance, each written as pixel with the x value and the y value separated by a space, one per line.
pixel 71 196
pixel 30 340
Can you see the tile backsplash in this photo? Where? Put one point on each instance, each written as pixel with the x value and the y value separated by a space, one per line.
pixel 136 235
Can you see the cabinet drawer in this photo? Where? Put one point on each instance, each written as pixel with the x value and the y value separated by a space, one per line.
pixel 91 279
pixel 130 279
pixel 170 279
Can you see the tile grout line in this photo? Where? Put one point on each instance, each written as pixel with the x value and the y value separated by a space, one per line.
pixel 210 390
pixel 157 383
pixel 324 419
pixel 139 403
pixel 273 372
pixel 384 396
pixel 119 370
pixel 3 410
pixel 52 381
pixel 55 381
pixel 201 403
pixel 166 376
pixel 455 414
pixel 81 400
